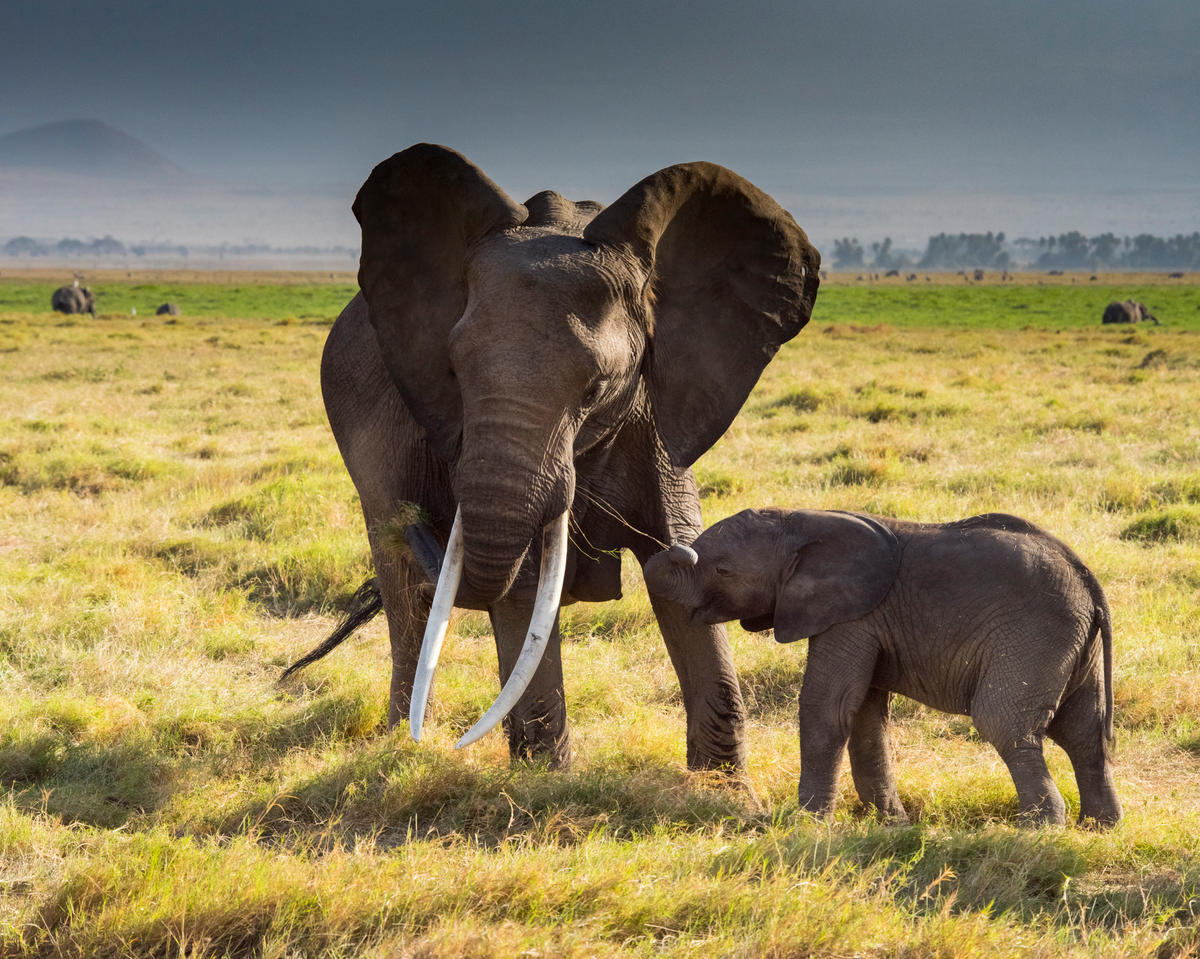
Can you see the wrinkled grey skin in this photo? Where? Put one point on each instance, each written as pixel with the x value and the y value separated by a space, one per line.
pixel 73 299
pixel 988 617
pixel 1128 311
pixel 515 360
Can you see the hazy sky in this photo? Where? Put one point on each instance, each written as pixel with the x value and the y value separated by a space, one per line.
pixel 852 96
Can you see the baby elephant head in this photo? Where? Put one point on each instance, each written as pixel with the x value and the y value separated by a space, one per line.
pixel 799 571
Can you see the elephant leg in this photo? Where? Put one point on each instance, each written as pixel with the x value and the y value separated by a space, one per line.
pixel 537 726
pixel 871 758
pixel 1017 735
pixel 1078 727
pixel 836 681
pixel 712 698
pixel 406 595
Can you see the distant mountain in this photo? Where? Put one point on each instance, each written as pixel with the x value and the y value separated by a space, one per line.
pixel 83 147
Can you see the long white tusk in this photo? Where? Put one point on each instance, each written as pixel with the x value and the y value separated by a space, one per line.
pixel 541 623
pixel 435 627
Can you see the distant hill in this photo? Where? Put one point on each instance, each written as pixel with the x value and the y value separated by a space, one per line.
pixel 84 147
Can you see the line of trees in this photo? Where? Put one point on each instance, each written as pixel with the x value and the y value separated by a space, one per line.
pixel 1067 251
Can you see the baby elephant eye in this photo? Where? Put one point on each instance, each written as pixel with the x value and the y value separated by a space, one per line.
pixel 724 571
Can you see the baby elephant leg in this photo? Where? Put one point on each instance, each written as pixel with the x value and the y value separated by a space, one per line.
pixel 871 758
pixel 835 683
pixel 1017 735
pixel 1078 727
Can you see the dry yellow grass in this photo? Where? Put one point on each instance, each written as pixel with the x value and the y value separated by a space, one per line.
pixel 178 526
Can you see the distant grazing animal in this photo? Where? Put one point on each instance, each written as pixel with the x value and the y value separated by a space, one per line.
pixel 73 299
pixel 1178 275
pixel 988 617
pixel 1128 311
pixel 978 275
pixel 167 309
pixel 892 273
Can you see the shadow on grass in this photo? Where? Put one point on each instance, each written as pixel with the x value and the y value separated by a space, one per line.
pixel 91 783
pixel 107 784
pixel 995 870
pixel 400 792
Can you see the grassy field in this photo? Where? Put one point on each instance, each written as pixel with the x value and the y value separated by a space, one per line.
pixel 178 526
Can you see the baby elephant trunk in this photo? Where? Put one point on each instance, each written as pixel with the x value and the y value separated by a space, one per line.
pixel 670 573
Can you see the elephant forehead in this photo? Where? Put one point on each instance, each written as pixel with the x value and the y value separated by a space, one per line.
pixel 743 526
pixel 554 290
pixel 552 266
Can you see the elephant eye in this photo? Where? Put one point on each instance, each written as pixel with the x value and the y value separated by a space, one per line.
pixel 724 571
pixel 594 391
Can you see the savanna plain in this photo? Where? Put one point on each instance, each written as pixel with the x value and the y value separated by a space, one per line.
pixel 178 527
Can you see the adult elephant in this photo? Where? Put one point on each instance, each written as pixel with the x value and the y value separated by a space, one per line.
pixel 1128 311
pixel 73 299
pixel 514 369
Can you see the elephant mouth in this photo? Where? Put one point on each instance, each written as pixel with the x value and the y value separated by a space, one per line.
pixel 541 624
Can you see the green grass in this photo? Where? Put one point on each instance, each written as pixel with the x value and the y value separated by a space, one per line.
pixel 1007 306
pixel 178 526
pixel 295 301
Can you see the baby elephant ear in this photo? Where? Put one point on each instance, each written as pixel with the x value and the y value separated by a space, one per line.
pixel 731 278
pixel 842 566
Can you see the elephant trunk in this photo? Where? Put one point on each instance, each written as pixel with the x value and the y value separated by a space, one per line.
pixel 505 506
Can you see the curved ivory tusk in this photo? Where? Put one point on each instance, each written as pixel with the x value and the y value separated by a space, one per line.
pixel 435 627
pixel 541 623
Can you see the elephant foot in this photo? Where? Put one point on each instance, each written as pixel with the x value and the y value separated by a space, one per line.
pixel 537 742
pixel 818 802
pixel 892 813
pixel 731 761
pixel 1045 813
pixel 1100 816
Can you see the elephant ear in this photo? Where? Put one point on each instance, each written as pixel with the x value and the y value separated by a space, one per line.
pixel 841 567
pixel 731 279
pixel 421 211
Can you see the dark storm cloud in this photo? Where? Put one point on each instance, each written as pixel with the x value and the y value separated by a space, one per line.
pixel 587 97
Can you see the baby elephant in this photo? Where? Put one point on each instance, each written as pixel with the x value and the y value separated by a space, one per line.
pixel 989 617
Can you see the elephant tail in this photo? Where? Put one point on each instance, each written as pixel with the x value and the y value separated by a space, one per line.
pixel 1102 623
pixel 1106 635
pixel 364 606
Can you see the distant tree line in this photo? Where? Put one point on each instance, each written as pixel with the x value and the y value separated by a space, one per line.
pixel 108 247
pixel 1074 251
pixel 1068 251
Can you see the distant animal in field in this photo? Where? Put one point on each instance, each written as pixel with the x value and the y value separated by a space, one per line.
pixel 892 273
pixel 978 276
pixel 167 309
pixel 910 277
pixel 1177 275
pixel 988 617
pixel 73 299
pixel 1128 311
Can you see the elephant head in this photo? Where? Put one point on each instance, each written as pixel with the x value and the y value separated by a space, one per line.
pixel 520 342
pixel 800 571
pixel 524 337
